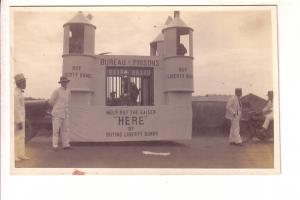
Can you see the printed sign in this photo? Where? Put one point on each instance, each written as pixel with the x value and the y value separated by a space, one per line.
pixel 121 123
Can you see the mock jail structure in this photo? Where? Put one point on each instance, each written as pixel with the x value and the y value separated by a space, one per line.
pixel 129 98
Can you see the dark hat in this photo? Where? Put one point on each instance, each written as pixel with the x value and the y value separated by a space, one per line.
pixel 238 89
pixel 63 79
pixel 270 93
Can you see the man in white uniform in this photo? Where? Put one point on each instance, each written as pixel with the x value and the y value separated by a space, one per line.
pixel 60 102
pixel 234 113
pixel 268 112
pixel 19 114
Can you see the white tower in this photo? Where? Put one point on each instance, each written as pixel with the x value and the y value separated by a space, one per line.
pixel 178 62
pixel 79 59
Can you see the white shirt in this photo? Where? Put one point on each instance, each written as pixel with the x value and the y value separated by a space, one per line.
pixel 233 108
pixel 268 108
pixel 19 106
pixel 60 102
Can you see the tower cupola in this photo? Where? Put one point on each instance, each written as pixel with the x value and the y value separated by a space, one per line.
pixel 79 35
pixel 178 38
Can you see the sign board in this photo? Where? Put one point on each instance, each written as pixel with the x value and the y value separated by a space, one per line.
pixel 123 123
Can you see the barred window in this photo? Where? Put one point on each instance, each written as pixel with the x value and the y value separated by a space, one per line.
pixel 129 86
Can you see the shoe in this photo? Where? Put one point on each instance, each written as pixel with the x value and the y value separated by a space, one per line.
pixel 17 159
pixel 236 144
pixel 24 157
pixel 67 147
pixel 54 148
pixel 239 144
pixel 246 141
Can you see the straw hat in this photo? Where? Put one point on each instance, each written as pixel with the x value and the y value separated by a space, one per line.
pixel 63 79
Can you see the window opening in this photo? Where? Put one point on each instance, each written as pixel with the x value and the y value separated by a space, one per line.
pixel 76 37
pixel 129 86
pixel 182 41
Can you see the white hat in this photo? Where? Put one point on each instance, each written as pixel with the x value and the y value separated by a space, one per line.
pixel 63 79
pixel 19 78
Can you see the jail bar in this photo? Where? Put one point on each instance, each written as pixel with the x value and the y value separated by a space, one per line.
pixel 141 77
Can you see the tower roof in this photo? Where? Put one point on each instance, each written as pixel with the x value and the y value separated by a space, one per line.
pixel 160 37
pixel 79 18
pixel 178 23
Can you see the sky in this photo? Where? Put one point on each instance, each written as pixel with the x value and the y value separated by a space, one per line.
pixel 232 48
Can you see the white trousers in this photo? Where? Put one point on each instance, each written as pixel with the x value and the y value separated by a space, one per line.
pixel 20 143
pixel 268 119
pixel 234 135
pixel 60 126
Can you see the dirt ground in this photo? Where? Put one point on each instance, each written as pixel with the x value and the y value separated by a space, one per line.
pixel 200 152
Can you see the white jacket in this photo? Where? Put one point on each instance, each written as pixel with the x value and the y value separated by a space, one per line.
pixel 268 109
pixel 19 107
pixel 60 102
pixel 233 108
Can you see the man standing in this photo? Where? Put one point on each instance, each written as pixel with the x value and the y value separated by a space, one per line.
pixel 60 103
pixel 234 113
pixel 268 112
pixel 134 93
pixel 19 114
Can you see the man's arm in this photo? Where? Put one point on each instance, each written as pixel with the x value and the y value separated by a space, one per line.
pixel 53 98
pixel 17 114
pixel 229 106
pixel 268 108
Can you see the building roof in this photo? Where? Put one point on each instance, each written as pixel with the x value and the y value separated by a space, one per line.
pixel 160 37
pixel 79 18
pixel 178 23
pixel 253 102
pixel 225 98
pixel 212 98
pixel 33 102
pixel 251 96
